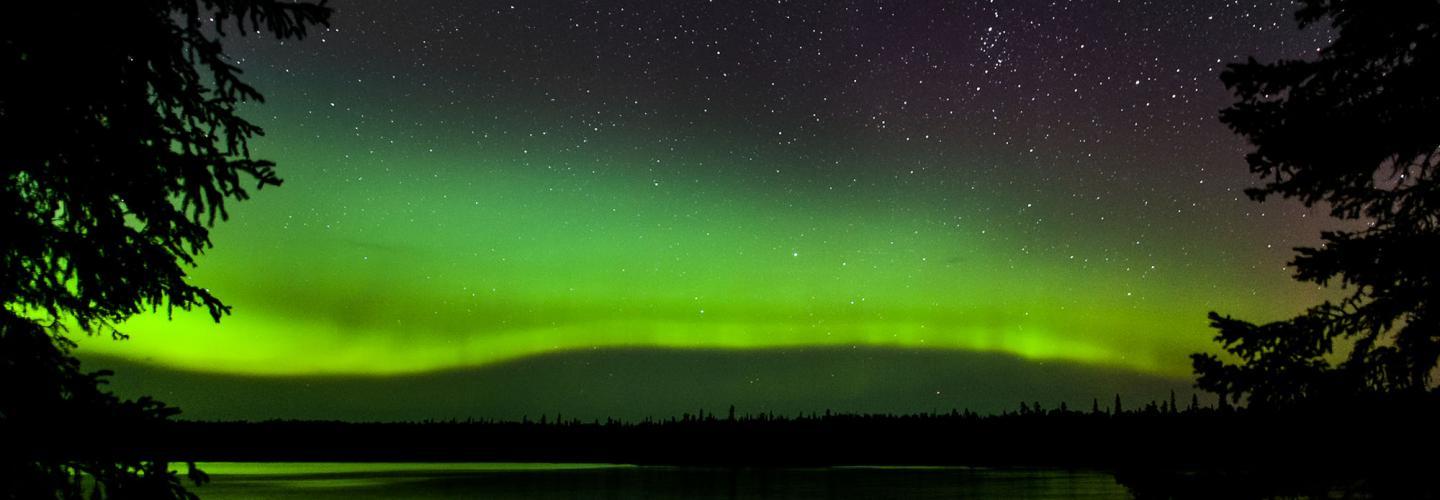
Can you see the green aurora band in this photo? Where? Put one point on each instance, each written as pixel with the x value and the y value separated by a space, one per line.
pixel 434 237
pixel 389 274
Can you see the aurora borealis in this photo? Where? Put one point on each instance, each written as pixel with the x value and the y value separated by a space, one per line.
pixel 469 184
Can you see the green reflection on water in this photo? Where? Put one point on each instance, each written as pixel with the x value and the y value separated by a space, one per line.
pixel 547 481
pixel 339 468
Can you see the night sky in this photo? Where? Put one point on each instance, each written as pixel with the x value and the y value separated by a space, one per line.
pixel 643 207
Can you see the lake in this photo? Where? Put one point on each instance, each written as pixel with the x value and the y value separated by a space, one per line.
pixel 362 481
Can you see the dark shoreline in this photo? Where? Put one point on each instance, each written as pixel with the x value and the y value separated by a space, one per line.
pixel 1198 437
pixel 1192 453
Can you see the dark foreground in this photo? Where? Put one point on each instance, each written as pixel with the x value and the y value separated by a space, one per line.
pixel 1381 450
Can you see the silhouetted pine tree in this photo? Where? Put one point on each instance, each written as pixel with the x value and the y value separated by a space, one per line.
pixel 122 146
pixel 1352 131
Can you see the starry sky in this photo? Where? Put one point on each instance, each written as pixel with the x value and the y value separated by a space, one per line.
pixel 869 205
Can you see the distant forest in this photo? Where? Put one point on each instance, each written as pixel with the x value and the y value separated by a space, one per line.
pixel 1166 446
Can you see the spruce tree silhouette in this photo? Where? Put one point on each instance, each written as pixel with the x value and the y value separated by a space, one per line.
pixel 122 145
pixel 1351 131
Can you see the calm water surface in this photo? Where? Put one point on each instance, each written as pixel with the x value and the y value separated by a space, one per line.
pixel 364 481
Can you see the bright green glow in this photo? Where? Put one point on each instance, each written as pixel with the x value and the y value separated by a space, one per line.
pixel 380 257
pixel 394 274
pixel 272 346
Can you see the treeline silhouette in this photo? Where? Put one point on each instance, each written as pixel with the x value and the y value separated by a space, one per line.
pixel 1170 450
